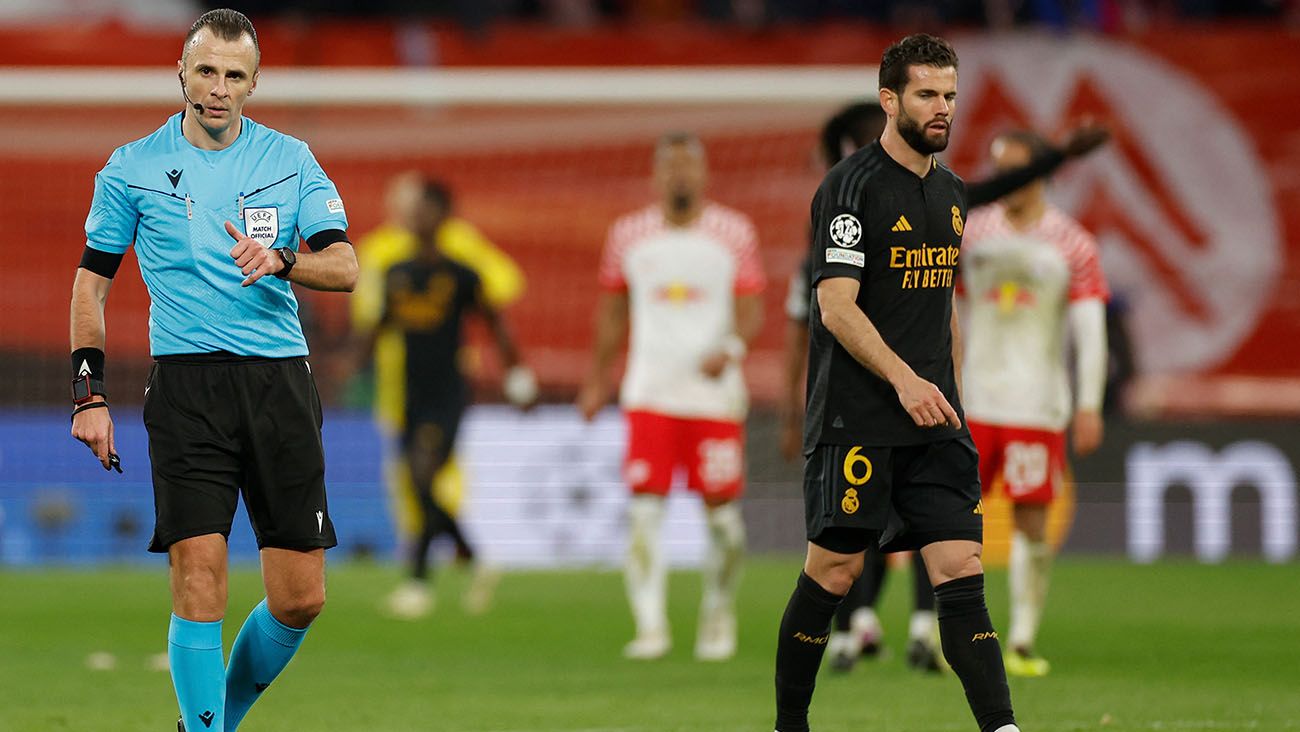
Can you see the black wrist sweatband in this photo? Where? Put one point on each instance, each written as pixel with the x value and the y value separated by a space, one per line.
pixel 92 358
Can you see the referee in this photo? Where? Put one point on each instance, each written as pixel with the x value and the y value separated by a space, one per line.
pixel 215 205
pixel 889 460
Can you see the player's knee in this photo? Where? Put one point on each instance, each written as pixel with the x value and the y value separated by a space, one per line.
pixel 199 593
pixel 835 577
pixel 299 611
pixel 839 579
pixel 956 566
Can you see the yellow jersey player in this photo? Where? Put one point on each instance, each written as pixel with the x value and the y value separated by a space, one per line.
pixel 502 284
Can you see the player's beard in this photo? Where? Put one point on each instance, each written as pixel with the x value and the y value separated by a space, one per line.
pixel 914 135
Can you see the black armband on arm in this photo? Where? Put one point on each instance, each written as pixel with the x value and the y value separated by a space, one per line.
pixel 104 264
pixel 322 239
pixel 87 375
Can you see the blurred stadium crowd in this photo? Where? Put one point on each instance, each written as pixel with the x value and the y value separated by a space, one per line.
pixel 1110 16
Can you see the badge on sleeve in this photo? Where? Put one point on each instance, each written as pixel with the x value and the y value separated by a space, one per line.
pixel 846 230
pixel 262 224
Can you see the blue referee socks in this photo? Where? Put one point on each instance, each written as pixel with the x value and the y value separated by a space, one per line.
pixel 260 653
pixel 198 672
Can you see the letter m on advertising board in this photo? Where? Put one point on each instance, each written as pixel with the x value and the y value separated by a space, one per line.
pixel 1211 477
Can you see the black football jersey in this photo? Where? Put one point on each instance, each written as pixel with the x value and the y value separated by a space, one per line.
pixel 427 302
pixel 899 235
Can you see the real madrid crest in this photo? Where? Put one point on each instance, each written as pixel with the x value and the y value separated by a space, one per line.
pixel 850 502
pixel 957 225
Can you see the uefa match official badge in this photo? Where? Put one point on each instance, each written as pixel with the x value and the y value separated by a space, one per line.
pixel 262 225
pixel 846 230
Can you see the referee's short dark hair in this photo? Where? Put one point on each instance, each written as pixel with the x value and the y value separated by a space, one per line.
pixel 858 124
pixel 226 24
pixel 918 49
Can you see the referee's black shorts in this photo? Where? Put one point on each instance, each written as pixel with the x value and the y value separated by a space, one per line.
pixel 897 498
pixel 221 425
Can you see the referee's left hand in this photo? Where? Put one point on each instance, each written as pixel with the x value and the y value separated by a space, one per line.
pixel 251 257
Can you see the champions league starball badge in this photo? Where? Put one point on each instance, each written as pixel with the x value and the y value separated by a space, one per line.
pixel 846 231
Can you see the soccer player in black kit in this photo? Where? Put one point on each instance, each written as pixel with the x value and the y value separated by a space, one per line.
pixel 427 299
pixel 889 460
pixel 857 631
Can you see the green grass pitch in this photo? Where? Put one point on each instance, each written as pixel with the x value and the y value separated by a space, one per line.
pixel 1172 646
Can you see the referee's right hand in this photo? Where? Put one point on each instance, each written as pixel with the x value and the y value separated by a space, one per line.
pixel 925 403
pixel 94 427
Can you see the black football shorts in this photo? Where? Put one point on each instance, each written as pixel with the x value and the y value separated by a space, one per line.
pixel 222 425
pixel 897 498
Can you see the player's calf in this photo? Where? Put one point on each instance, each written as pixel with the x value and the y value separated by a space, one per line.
pixel 802 642
pixel 970 645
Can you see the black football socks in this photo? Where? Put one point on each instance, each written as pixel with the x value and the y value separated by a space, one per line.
pixel 799 649
pixel 971 646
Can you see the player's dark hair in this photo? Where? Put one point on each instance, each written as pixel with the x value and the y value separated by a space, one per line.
pixel 857 124
pixel 918 49
pixel 435 191
pixel 679 138
pixel 1037 144
pixel 226 24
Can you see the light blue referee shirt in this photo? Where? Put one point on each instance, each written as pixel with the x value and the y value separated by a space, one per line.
pixel 172 200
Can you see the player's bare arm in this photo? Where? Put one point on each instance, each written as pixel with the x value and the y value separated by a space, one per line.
pixel 749 321
pixel 956 345
pixel 94 427
pixel 611 331
pixel 1088 324
pixel 519 384
pixel 924 402
pixel 796 353
pixel 332 269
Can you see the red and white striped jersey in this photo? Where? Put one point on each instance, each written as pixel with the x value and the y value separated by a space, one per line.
pixel 1018 285
pixel 681 284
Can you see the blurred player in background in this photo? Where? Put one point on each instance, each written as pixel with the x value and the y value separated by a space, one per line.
pixel 394 241
pixel 231 404
pixel 427 299
pixel 686 273
pixel 857 629
pixel 1030 273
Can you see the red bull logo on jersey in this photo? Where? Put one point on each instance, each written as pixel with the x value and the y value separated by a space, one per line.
pixel 679 293
pixel 1010 296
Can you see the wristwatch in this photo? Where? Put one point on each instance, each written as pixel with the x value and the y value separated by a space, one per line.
pixel 290 258
pixel 84 387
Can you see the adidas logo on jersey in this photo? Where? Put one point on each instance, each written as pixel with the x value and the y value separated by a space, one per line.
pixel 901 224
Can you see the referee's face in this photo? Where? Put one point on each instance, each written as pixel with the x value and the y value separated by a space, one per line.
pixel 924 109
pixel 218 74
